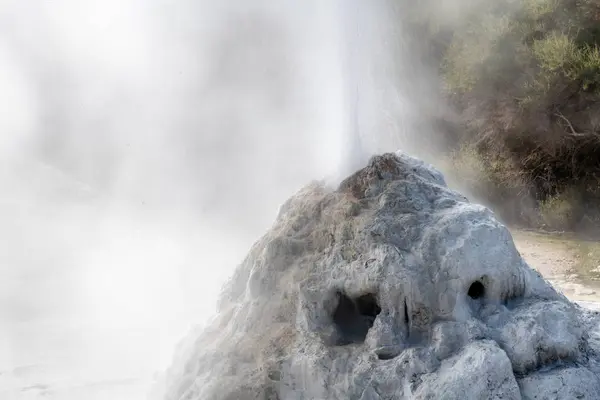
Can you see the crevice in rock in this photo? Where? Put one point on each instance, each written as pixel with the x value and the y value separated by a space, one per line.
pixel 354 317
pixel 386 354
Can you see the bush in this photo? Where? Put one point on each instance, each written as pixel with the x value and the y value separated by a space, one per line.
pixel 488 176
pixel 536 9
pixel 586 67
pixel 525 83
pixel 471 48
pixel 554 52
pixel 562 211
pixel 495 181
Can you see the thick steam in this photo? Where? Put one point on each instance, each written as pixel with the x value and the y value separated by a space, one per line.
pixel 146 144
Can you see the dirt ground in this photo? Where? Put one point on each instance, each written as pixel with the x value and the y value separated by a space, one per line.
pixel 570 264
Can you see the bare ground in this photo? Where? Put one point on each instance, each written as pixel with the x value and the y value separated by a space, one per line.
pixel 572 265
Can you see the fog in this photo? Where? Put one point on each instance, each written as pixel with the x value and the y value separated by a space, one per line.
pixel 146 144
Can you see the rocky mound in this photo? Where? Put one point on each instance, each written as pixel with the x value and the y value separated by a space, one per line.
pixel 391 286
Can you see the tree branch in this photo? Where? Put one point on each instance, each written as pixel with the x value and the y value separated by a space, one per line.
pixel 592 135
pixel 559 115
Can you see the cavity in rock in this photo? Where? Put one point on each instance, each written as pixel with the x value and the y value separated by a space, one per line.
pixel 354 318
pixel 476 290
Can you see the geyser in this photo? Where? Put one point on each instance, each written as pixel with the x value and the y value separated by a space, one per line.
pixel 390 286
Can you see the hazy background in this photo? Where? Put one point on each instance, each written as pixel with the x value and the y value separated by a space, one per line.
pixel 144 145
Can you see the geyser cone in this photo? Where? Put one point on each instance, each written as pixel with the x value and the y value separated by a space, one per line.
pixel 391 286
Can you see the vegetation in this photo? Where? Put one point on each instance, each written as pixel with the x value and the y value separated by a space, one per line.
pixel 523 76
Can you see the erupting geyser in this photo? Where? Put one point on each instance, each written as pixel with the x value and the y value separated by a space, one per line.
pixel 391 286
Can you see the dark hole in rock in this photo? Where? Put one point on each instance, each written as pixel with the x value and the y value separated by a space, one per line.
pixel 387 353
pixel 354 317
pixel 367 305
pixel 476 290
pixel 385 356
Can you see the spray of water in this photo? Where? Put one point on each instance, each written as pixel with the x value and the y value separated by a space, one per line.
pixel 146 144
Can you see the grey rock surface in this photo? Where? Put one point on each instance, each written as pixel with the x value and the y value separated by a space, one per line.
pixel 391 286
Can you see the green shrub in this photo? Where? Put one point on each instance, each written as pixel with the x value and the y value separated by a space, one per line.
pixel 561 211
pixel 469 49
pixel 523 82
pixel 586 66
pixel 536 9
pixel 468 166
pixel 555 52
pixel 487 176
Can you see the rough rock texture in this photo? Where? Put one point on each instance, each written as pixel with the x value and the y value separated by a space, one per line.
pixel 391 286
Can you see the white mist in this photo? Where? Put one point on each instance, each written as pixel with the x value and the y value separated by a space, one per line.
pixel 145 146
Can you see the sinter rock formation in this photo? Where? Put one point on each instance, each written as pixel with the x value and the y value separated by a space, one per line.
pixel 391 286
